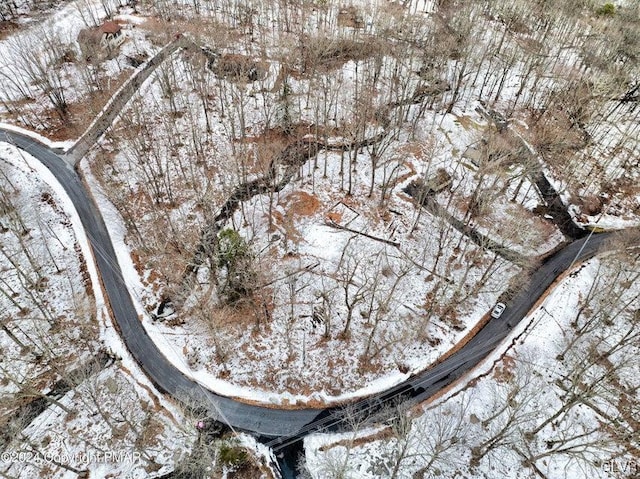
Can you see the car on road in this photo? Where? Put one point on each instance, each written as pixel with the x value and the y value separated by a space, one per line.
pixel 498 309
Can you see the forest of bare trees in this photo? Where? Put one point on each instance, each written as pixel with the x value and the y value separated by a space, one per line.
pixel 316 186
pixel 563 414
pixel 209 148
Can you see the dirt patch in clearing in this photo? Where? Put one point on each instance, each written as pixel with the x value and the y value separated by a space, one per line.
pixel 302 203
pixel 287 225
pixel 6 28
pixel 241 316
pixel 296 204
pixel 335 216
pixel 503 372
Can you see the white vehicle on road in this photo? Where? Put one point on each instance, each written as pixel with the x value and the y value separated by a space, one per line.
pixel 498 309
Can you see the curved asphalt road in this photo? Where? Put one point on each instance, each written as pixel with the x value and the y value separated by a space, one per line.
pixel 260 420
pixel 281 426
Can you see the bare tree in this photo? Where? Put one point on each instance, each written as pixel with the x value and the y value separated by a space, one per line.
pixel 40 60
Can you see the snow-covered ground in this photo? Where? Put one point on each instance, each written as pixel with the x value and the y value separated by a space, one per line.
pixel 299 254
pixel 109 421
pixel 544 395
pixel 168 167
pixel 44 55
pixel 64 320
pixel 48 299
pixel 352 279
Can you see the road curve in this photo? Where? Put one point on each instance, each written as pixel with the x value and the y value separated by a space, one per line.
pixel 280 427
pixel 424 385
pixel 261 420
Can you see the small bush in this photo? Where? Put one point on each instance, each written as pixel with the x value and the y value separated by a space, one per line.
pixel 232 246
pixel 232 456
pixel 607 9
pixel 234 255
